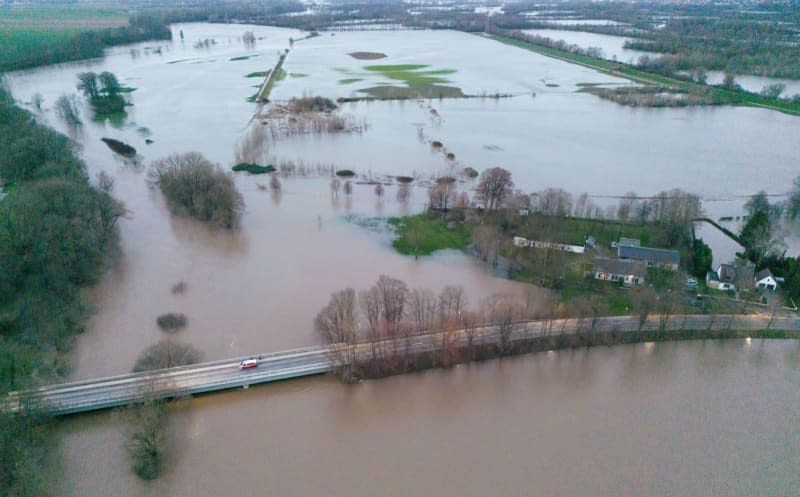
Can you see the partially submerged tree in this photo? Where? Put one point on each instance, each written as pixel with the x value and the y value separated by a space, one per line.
pixel 194 186
pixel 494 186
pixel 67 109
pixel 337 324
pixel 166 354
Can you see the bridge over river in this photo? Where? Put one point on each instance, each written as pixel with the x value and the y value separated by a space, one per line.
pixel 115 391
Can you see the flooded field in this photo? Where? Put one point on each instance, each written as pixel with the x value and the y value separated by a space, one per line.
pixel 496 428
pixel 612 46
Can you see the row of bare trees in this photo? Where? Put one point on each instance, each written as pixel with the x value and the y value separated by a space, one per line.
pixel 384 328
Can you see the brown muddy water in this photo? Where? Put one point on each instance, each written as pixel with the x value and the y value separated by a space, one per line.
pixel 677 419
pixel 692 418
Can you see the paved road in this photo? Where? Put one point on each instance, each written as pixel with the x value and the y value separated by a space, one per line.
pixel 121 390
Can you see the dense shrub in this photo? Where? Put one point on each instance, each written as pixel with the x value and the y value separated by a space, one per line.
pixel 345 173
pixel 119 147
pixel 311 104
pixel 196 187
pixel 171 321
pixel 253 168
pixel 166 354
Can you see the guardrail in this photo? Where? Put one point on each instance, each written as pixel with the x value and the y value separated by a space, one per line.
pixel 181 381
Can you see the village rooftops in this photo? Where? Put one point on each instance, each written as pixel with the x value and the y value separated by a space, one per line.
pixel 620 267
pixel 654 256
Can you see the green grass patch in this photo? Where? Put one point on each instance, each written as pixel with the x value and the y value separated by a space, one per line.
pixel 257 74
pixel 348 81
pixel 126 89
pixel 395 67
pixel 389 92
pixel 411 74
pixel 179 61
pixel 298 75
pixel 281 75
pixel 253 168
pixel 242 57
pixel 575 230
pixel 422 235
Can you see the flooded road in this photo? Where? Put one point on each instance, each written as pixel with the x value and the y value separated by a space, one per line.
pixel 534 425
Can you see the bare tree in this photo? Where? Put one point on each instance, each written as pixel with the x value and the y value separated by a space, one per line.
pixel 452 302
pixel 370 301
pixel 249 39
pixel 441 196
pixel 487 241
pixel 379 191
pixel 627 205
pixel 336 185
pixel 470 321
pixel 166 354
pixel 644 301
pixel 337 323
pixel 348 187
pixel 89 84
pixel 275 183
pixel 503 311
pixel 494 186
pixel 403 194
pixel 394 294
pixel 423 309
pixel 67 109
pixel 554 202
pixel 462 202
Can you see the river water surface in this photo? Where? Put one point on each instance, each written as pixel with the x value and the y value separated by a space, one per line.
pixel 691 419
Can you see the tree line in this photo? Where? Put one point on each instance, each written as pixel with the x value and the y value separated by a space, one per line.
pixel 57 230
pixel 32 49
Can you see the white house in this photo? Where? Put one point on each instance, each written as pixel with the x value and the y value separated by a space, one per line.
pixel 765 280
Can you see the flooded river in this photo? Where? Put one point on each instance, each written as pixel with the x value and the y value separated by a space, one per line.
pixel 678 419
pixel 694 418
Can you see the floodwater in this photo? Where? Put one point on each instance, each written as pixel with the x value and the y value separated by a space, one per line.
pixel 513 427
pixel 612 46
pixel 757 83
pixel 692 418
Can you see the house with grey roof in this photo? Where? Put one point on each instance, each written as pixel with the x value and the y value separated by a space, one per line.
pixel 765 280
pixel 654 257
pixel 730 277
pixel 629 272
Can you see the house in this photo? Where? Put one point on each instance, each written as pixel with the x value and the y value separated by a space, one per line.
pixel 713 281
pixel 730 277
pixel 629 272
pixel 654 257
pixel 765 280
